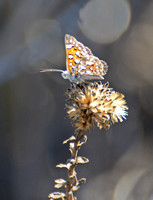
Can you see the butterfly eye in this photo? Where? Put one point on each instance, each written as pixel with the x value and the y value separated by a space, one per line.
pixel 65 75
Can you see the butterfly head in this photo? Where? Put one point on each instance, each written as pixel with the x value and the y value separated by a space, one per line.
pixel 65 75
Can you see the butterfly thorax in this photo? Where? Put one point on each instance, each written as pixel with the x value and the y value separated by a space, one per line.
pixel 72 77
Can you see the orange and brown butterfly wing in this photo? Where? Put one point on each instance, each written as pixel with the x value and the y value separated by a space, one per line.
pixel 80 60
pixel 91 67
pixel 74 52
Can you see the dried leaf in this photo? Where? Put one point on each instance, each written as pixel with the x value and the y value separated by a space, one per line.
pixel 82 160
pixel 71 147
pixel 57 195
pixel 67 166
pixel 61 165
pixel 60 183
pixel 75 188
pixel 71 161
pixel 82 181
pixel 72 138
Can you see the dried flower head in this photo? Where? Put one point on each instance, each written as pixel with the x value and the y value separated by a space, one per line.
pixel 95 103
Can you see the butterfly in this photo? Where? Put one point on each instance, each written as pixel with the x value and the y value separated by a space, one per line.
pixel 81 64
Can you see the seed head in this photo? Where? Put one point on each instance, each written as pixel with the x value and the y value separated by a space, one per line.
pixel 95 103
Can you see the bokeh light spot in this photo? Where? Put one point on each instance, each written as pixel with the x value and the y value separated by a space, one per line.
pixel 105 21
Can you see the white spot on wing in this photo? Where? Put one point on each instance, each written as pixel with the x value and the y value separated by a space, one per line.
pixel 77 53
pixel 70 56
pixel 68 46
pixel 83 53
pixel 80 48
pixel 77 61
pixel 82 67
pixel 92 58
pixel 88 72
pixel 89 63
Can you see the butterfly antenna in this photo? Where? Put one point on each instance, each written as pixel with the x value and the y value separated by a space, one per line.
pixel 51 70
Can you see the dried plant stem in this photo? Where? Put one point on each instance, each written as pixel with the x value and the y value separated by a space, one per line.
pixel 72 178
pixel 72 184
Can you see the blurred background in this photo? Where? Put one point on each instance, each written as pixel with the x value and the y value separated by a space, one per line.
pixel 33 120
